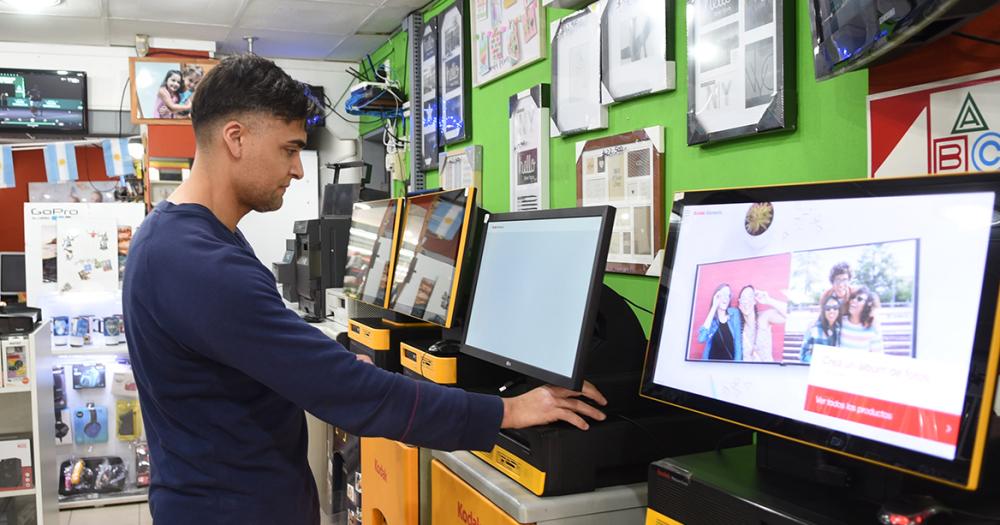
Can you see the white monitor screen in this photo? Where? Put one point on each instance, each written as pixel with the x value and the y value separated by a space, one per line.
pixel 854 314
pixel 532 290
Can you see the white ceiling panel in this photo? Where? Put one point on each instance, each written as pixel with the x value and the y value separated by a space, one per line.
pixel 122 32
pixel 57 29
pixel 223 12
pixel 284 44
pixel 80 8
pixel 309 17
pixel 384 20
pixel 305 29
pixel 355 47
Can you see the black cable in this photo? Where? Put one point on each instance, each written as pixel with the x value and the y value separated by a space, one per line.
pixel 643 308
pixel 977 38
pixel 642 427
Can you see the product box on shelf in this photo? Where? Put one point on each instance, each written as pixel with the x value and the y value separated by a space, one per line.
pixel 14 352
pixel 15 464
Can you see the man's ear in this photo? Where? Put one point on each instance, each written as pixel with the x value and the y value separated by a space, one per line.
pixel 233 135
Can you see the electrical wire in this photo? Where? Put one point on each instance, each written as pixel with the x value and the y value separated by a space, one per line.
pixel 643 308
pixel 977 38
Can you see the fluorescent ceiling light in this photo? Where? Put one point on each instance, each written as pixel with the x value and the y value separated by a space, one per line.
pixel 31 6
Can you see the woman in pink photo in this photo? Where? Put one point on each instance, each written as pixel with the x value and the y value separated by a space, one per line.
pixel 758 344
pixel 168 96
pixel 721 329
pixel 859 331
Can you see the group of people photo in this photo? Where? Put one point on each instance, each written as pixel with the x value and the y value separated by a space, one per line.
pixel 782 310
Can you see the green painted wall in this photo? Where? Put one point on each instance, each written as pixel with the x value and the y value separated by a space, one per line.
pixel 829 143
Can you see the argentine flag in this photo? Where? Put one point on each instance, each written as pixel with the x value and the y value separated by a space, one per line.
pixel 60 162
pixel 6 167
pixel 117 161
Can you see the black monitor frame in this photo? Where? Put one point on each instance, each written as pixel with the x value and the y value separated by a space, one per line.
pixel 964 471
pixel 575 381
pixel 85 121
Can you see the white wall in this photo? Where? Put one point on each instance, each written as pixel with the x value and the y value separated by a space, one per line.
pixel 107 72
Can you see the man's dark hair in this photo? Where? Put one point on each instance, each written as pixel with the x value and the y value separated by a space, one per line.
pixel 839 268
pixel 247 83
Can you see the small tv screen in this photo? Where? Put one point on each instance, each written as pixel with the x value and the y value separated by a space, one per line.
pixel 39 101
pixel 851 34
pixel 815 312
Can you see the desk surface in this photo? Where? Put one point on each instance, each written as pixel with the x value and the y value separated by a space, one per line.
pixel 526 507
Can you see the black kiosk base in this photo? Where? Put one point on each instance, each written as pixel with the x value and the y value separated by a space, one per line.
pixel 560 459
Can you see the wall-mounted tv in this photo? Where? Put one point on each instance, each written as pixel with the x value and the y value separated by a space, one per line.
pixel 852 34
pixel 38 101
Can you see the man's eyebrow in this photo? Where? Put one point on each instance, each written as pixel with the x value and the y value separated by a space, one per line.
pixel 301 144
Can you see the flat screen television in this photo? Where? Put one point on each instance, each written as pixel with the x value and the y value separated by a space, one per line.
pixel 541 272
pixel 371 250
pixel 39 101
pixel 434 238
pixel 856 317
pixel 852 34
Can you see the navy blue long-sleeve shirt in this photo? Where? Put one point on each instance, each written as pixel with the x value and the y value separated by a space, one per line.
pixel 225 370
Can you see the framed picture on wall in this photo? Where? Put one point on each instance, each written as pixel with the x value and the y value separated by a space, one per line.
pixel 626 171
pixel 429 95
pixel 637 51
pixel 463 168
pixel 162 88
pixel 452 80
pixel 740 68
pixel 576 73
pixel 507 35
pixel 529 149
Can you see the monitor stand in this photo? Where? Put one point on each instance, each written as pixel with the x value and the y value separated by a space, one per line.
pixel 556 459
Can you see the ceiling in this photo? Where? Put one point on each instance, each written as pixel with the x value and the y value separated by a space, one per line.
pixel 304 29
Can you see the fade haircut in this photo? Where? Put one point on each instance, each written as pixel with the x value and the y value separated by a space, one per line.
pixel 242 84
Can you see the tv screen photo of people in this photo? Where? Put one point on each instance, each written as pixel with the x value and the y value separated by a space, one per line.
pixel 776 309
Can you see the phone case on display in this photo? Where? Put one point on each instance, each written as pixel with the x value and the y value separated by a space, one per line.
pixel 60 330
pixel 64 431
pixel 90 424
pixel 101 474
pixel 142 467
pixel 15 359
pixel 129 423
pixel 88 376
pixel 123 385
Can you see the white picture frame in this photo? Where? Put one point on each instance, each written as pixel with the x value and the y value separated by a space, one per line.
pixel 528 112
pixel 576 73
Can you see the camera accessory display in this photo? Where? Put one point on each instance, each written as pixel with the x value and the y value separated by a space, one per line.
pixel 101 474
pixel 60 330
pixel 123 385
pixel 142 467
pixel 15 359
pixel 88 376
pixel 90 424
pixel 15 464
pixel 59 387
pixel 79 331
pixel 64 432
pixel 129 423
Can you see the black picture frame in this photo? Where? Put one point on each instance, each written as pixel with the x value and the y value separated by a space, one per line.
pixel 572 113
pixel 430 97
pixel 732 30
pixel 454 75
pixel 619 55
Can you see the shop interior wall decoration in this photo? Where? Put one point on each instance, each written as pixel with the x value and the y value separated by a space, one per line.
pixel 637 51
pixel 453 81
pixel 529 149
pixel 740 68
pixel 626 171
pixel 576 72
pixel 507 35
pixel 430 95
pixel 162 88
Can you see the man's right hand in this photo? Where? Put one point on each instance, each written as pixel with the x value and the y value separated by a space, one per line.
pixel 548 404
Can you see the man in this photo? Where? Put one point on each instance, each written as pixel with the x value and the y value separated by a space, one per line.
pixel 840 281
pixel 225 371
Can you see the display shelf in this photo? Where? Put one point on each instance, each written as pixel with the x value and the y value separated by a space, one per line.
pixel 15 493
pixel 99 500
pixel 15 389
pixel 97 350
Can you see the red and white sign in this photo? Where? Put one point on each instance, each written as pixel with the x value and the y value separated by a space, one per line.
pixel 951 126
